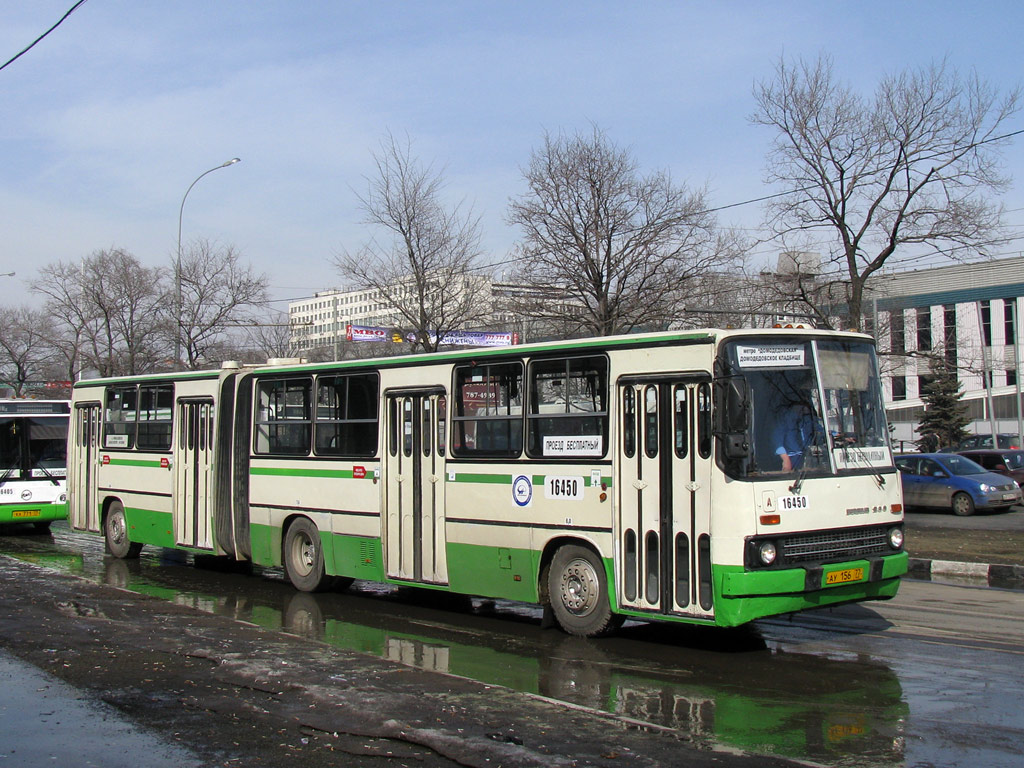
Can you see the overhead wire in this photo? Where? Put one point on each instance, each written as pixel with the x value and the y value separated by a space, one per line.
pixel 38 39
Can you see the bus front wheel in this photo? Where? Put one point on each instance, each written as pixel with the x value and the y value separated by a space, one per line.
pixel 304 557
pixel 578 590
pixel 115 531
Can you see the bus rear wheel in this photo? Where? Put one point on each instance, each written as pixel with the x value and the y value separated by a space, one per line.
pixel 115 531
pixel 578 589
pixel 304 557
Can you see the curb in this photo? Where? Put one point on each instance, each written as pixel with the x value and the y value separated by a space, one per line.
pixel 977 574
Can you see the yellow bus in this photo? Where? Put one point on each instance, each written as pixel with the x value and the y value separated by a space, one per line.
pixel 711 476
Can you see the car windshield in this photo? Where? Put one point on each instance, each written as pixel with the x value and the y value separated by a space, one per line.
pixel 961 465
pixel 1013 460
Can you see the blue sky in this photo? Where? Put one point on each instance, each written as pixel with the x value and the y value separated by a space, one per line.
pixel 108 120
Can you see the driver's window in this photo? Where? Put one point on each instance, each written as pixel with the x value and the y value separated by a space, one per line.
pixel 931 469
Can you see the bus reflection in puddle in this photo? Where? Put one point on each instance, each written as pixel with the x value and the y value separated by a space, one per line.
pixel 713 686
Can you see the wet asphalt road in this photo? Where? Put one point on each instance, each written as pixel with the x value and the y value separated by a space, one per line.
pixel 921 680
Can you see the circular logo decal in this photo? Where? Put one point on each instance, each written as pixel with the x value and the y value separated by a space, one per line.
pixel 26 495
pixel 522 490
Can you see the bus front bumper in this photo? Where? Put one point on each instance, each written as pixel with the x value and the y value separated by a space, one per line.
pixel 744 595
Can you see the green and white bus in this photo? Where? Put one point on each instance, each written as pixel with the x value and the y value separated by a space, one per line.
pixel 33 450
pixel 633 476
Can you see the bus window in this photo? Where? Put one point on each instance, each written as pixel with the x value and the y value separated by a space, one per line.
pixel 119 419
pixel 154 422
pixel 488 417
pixel 629 422
pixel 283 423
pixel 442 414
pixel 346 415
pixel 568 407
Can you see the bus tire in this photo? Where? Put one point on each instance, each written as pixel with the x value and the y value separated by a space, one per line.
pixel 578 590
pixel 115 532
pixel 304 557
pixel 963 504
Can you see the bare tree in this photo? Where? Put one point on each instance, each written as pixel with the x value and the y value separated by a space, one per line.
pixel 908 170
pixel 626 250
pixel 218 293
pixel 425 269
pixel 104 313
pixel 25 351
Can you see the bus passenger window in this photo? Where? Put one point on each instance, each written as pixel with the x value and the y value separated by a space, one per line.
pixel 346 415
pixel 488 410
pixel 568 407
pixel 283 410
pixel 156 404
pixel 120 417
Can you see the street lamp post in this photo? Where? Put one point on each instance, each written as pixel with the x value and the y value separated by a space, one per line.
pixel 177 265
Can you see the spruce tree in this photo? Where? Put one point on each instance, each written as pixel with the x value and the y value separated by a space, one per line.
pixel 945 419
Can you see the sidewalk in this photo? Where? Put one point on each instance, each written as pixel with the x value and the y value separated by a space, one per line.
pixel 980 551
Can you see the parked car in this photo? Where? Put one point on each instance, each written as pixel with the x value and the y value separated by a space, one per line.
pixel 1006 440
pixel 952 481
pixel 1008 462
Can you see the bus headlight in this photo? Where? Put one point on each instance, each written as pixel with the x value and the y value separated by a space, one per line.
pixel 767 552
pixel 896 538
pixel 63 498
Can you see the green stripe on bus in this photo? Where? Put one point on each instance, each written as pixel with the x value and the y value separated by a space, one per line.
pixel 469 477
pixel 347 474
pixel 135 463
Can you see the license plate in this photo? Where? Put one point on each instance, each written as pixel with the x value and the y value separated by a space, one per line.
pixel 844 576
pixel 25 513
pixel 1009 496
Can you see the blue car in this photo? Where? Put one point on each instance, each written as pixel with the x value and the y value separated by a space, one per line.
pixel 954 482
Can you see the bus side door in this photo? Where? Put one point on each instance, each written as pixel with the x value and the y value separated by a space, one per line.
pixel 83 466
pixel 193 456
pixel 664 495
pixel 414 467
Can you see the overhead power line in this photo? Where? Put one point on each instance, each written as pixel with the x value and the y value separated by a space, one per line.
pixel 36 41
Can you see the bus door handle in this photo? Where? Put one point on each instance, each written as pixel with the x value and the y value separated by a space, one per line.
pixel 639 484
pixel 693 486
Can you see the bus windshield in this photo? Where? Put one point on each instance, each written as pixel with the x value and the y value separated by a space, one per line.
pixel 815 407
pixel 33 446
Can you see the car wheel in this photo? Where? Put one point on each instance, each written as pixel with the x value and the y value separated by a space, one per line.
pixel 963 504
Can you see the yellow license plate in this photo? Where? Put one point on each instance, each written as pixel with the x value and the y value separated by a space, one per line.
pixel 25 513
pixel 844 576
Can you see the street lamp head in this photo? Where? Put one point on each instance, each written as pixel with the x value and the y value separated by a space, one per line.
pixel 232 161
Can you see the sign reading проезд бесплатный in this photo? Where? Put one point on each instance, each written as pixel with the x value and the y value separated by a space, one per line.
pixel 769 355
pixel 573 445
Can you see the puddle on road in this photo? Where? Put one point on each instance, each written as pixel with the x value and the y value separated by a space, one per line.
pixel 713 686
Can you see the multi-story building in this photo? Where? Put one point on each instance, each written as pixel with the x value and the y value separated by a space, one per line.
pixel 321 320
pixel 970 315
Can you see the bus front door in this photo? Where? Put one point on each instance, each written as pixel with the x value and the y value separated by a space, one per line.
pixel 83 465
pixel 414 468
pixel 193 454
pixel 664 487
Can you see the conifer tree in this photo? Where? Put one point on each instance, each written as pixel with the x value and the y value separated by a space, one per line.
pixel 945 419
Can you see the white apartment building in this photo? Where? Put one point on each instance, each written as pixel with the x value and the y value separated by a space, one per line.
pixel 969 313
pixel 321 320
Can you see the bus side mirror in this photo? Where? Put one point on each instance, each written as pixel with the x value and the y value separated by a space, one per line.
pixel 733 417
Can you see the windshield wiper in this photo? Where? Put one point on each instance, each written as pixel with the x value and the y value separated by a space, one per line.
pixel 7 473
pixel 47 473
pixel 858 451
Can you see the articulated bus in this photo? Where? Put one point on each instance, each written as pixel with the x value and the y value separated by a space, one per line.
pixel 33 449
pixel 644 476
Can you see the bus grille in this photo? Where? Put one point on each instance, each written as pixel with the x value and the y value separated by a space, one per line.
pixel 841 544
